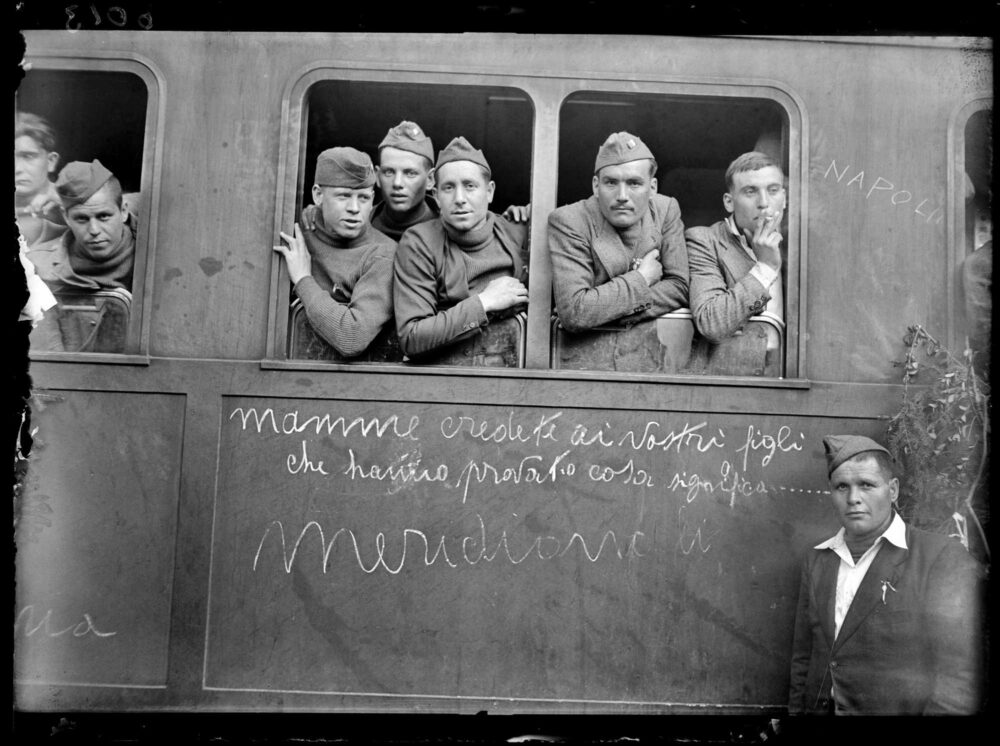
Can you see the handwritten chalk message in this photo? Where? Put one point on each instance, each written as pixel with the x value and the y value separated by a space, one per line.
pixel 471 460
pixel 397 549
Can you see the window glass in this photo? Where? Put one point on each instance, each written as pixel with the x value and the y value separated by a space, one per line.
pixel 693 140
pixel 82 243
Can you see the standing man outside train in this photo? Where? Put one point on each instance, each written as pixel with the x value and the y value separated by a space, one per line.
pixel 619 255
pixel 342 269
pixel 735 264
pixel 888 615
pixel 457 273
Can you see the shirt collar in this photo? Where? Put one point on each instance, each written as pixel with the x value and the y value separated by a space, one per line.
pixel 731 224
pixel 895 534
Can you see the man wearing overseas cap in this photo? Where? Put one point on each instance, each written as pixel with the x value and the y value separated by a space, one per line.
pixel 457 272
pixel 736 263
pixel 342 270
pixel 406 160
pixel 888 614
pixel 98 250
pixel 618 256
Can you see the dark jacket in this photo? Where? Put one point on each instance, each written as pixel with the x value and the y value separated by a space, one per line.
pixel 910 642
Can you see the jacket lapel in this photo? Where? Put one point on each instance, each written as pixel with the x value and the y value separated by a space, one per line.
pixel 733 257
pixel 609 250
pixel 826 591
pixel 886 567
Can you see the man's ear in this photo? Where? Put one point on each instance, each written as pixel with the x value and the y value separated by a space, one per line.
pixel 317 194
pixel 653 184
pixel 727 202
pixel 53 161
pixel 894 489
pixel 490 188
pixel 594 182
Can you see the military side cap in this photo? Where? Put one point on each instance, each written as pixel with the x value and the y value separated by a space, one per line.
pixel 344 167
pixel 459 149
pixel 408 136
pixel 621 147
pixel 79 181
pixel 839 448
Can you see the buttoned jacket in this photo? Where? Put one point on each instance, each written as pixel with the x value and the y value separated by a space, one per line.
pixel 909 643
pixel 593 280
pixel 724 295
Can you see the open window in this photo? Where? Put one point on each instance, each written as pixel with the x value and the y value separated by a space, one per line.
pixel 90 114
pixel 972 237
pixel 694 138
pixel 497 120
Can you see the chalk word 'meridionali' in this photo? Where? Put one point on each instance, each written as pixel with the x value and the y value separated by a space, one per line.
pixel 544 547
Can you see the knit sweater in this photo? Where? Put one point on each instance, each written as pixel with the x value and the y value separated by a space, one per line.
pixel 348 295
pixel 439 273
pixel 382 221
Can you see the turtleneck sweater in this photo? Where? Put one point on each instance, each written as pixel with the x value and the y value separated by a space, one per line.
pixel 439 273
pixel 382 221
pixel 348 295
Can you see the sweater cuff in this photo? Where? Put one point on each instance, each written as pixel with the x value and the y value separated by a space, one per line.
pixel 307 289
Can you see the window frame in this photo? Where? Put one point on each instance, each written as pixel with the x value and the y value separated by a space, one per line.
pixel 136 350
pixel 546 91
pixel 955 217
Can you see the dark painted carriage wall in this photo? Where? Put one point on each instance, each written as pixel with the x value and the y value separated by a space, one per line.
pixel 211 527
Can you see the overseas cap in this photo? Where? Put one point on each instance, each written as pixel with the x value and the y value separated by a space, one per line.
pixel 79 181
pixel 408 136
pixel 459 149
pixel 621 147
pixel 344 167
pixel 839 448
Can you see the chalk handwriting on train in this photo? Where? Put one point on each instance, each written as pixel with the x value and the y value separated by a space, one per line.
pixel 544 547
pixel 290 424
pixel 45 625
pixel 881 184
pixel 503 432
pixel 529 470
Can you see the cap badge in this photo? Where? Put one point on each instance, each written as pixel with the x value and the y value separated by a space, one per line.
pixel 630 144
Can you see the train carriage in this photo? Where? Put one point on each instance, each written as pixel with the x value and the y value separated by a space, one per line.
pixel 221 516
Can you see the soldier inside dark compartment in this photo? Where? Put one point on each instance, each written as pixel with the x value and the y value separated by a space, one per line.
pixel 619 255
pixel 342 269
pixel 456 274
pixel 735 264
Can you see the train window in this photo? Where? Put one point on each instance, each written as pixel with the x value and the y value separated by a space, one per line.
pixel 975 232
pixel 496 120
pixel 90 126
pixel 693 139
pixel 979 175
